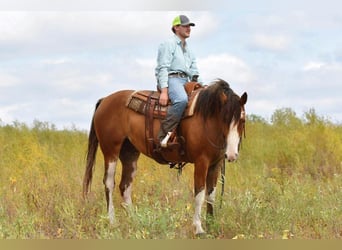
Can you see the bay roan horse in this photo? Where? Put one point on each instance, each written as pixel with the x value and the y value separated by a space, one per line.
pixel 211 133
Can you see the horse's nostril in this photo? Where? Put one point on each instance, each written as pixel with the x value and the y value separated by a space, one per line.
pixel 232 158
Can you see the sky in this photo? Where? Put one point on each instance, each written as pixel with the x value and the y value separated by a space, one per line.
pixel 57 61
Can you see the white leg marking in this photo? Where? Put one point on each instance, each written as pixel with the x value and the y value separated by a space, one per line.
pixel 233 140
pixel 128 191
pixel 199 200
pixel 127 195
pixel 211 196
pixel 110 186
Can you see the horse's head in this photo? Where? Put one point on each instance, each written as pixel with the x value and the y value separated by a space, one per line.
pixel 218 102
pixel 236 129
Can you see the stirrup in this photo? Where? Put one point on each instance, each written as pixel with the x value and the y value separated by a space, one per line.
pixel 163 142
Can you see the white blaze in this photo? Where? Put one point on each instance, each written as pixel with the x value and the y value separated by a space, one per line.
pixel 233 140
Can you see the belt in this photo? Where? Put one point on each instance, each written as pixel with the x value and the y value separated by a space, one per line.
pixel 178 74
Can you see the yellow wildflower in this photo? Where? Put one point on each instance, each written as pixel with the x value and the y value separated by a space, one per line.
pixel 239 237
pixel 287 235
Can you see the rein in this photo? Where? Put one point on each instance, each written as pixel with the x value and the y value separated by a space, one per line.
pixel 223 179
pixel 223 167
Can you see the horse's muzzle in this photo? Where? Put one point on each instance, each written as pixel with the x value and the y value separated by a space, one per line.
pixel 232 157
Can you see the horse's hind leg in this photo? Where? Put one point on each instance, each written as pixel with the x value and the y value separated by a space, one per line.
pixel 109 182
pixel 110 150
pixel 128 156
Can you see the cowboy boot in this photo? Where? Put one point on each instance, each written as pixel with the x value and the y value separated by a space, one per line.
pixel 166 127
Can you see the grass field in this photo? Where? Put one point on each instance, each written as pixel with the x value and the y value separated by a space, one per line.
pixel 287 183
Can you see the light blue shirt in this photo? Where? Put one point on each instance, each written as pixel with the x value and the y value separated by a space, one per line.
pixel 173 58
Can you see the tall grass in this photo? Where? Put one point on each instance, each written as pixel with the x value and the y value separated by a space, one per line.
pixel 286 184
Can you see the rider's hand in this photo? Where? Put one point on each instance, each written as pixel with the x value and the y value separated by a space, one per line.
pixel 164 97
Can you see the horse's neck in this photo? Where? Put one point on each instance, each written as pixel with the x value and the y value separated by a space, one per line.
pixel 216 125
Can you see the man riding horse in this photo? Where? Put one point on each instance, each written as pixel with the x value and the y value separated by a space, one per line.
pixel 176 65
pixel 212 132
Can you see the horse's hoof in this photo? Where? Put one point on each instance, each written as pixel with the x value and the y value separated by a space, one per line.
pixel 202 235
pixel 126 205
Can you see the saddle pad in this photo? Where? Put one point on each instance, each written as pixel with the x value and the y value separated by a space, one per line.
pixel 138 102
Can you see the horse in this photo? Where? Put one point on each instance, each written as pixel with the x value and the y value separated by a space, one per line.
pixel 211 134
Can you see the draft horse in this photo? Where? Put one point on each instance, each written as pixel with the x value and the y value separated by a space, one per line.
pixel 212 133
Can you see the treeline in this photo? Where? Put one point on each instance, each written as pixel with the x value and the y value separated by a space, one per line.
pixel 292 145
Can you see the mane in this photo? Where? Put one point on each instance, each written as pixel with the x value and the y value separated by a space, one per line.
pixel 210 102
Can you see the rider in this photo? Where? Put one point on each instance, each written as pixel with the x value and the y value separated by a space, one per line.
pixel 176 65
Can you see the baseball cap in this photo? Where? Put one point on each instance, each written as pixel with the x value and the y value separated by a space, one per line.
pixel 181 20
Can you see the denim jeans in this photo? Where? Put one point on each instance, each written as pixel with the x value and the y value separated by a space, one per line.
pixel 178 97
pixel 179 100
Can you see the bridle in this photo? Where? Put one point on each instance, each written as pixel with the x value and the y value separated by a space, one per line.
pixel 223 167
pixel 243 114
pixel 214 145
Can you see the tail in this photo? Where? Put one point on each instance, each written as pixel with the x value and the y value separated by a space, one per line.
pixel 91 155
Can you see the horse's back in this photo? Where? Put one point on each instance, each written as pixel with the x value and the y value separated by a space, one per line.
pixel 113 102
pixel 114 121
pixel 116 98
pixel 111 110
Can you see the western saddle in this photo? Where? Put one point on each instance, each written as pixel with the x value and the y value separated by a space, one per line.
pixel 146 102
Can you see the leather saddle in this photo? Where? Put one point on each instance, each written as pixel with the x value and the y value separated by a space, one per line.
pixel 146 102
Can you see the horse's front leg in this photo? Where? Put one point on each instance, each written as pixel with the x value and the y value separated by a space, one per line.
pixel 200 174
pixel 212 176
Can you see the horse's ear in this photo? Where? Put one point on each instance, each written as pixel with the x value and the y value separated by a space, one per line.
pixel 243 99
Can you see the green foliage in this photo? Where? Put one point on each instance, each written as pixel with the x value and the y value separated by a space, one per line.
pixel 286 184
